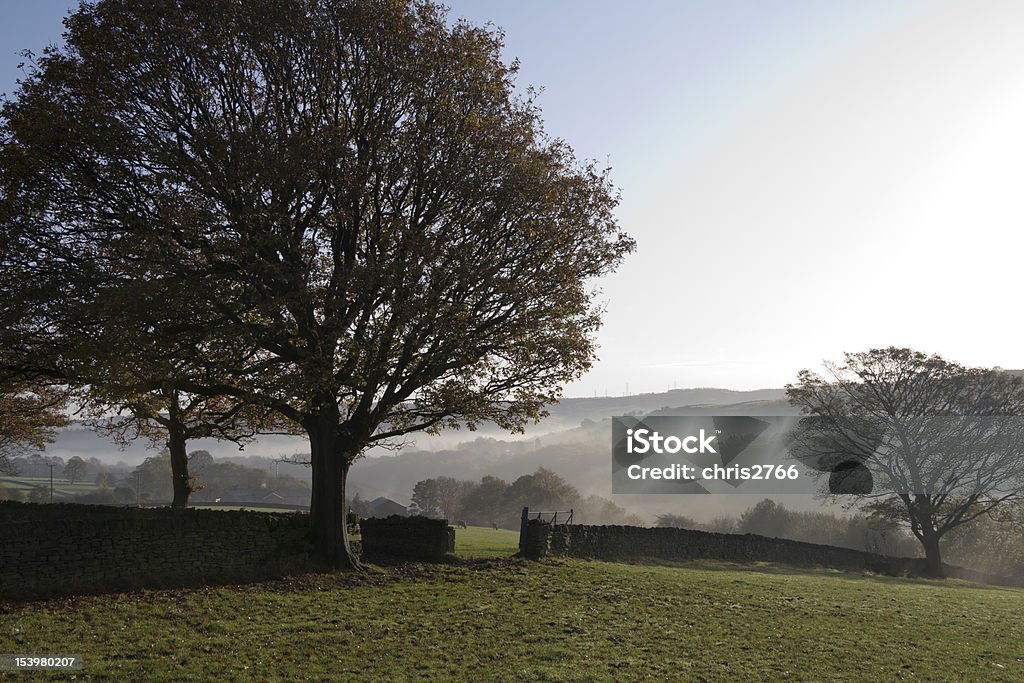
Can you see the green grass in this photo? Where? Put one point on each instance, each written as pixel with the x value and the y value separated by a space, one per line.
pixel 62 488
pixel 503 619
pixel 16 484
pixel 478 542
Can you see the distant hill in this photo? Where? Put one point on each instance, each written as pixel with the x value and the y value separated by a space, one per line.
pixel 574 410
pixel 580 454
pixel 567 414
pixel 573 442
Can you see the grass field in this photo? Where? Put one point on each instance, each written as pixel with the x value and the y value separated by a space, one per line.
pixel 492 618
pixel 477 541
pixel 62 488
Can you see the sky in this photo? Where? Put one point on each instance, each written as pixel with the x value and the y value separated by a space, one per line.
pixel 803 178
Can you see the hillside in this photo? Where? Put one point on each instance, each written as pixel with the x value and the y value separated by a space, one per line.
pixel 78 440
pixel 573 442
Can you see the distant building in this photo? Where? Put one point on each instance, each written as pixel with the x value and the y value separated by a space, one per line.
pixel 384 507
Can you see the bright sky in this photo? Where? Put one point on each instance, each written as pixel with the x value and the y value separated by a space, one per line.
pixel 803 178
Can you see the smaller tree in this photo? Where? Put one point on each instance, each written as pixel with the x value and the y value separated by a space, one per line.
pixel 993 543
pixel 75 469
pixel 152 479
pixel 359 507
pixel 124 495
pixel 767 518
pixel 440 497
pixel 171 418
pixel 542 490
pixel 426 499
pixel 484 503
pixel 920 439
pixel 597 510
pixel 721 524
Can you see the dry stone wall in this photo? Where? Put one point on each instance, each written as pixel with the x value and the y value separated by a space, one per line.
pixel 639 543
pixel 67 548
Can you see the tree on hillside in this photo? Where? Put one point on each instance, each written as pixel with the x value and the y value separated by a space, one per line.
pixel 75 468
pixel 597 510
pixel 993 543
pixel 542 490
pixel 483 505
pixel 439 497
pixel 171 418
pixel 722 524
pixel 918 438
pixel 766 518
pixel 336 209
pixel 359 507
pixel 151 480
pixel 426 499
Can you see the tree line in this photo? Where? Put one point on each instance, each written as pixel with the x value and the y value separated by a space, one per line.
pixel 493 501
pixel 151 482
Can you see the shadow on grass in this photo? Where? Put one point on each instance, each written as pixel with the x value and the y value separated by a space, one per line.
pixel 377 570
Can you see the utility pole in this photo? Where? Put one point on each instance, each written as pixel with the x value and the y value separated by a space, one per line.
pixel 51 483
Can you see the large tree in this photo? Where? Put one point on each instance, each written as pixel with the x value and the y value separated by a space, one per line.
pixel 337 209
pixel 914 437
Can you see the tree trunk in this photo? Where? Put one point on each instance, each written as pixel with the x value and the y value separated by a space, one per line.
pixel 329 530
pixel 933 556
pixel 179 469
pixel 922 512
pixel 177 447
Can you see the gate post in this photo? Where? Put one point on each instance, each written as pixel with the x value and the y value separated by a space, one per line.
pixel 523 524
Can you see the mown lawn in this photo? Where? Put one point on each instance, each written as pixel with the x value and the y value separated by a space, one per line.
pixel 503 619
